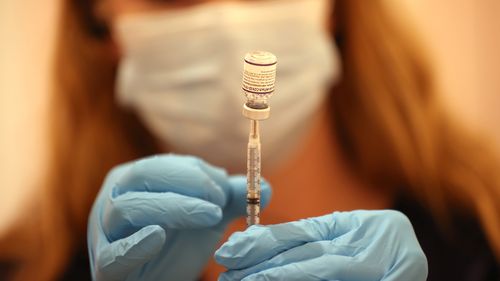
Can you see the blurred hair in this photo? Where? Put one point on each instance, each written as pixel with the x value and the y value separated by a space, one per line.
pixel 395 133
pixel 390 124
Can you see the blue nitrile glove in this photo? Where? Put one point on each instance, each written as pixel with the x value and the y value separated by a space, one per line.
pixel 161 217
pixel 347 246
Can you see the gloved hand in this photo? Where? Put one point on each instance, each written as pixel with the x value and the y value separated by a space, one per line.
pixel 161 217
pixel 347 246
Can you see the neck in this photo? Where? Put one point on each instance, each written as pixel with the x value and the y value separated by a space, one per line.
pixel 317 179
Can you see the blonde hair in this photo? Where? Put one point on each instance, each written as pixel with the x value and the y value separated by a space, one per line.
pixel 391 127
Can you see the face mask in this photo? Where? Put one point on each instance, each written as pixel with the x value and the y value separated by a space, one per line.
pixel 181 71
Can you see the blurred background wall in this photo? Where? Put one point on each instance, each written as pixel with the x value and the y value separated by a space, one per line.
pixel 463 35
pixel 27 30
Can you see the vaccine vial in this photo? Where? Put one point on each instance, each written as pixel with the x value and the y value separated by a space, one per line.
pixel 259 76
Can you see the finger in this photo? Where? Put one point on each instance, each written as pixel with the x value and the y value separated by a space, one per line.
pixel 327 267
pixel 259 243
pixel 129 212
pixel 304 252
pixel 120 258
pixel 173 173
pixel 411 266
pixel 236 205
pixel 218 175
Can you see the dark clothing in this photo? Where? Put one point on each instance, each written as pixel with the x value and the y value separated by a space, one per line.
pixel 79 268
pixel 465 256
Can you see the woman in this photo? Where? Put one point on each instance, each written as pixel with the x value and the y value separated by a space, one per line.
pixel 382 140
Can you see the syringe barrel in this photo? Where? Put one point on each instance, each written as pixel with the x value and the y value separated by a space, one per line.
pixel 253 175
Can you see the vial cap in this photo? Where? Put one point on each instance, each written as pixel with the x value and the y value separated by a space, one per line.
pixel 262 58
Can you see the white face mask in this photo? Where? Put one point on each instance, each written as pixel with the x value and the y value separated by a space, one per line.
pixel 181 71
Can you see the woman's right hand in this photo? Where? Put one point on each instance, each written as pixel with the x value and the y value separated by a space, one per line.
pixel 161 218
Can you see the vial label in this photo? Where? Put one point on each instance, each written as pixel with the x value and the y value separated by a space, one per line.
pixel 259 79
pixel 259 73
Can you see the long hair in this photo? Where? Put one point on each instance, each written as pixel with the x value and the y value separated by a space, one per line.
pixel 388 119
pixel 394 131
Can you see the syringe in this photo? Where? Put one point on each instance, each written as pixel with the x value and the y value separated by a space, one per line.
pixel 259 74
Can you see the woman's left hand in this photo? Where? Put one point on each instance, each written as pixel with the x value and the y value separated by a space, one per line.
pixel 348 246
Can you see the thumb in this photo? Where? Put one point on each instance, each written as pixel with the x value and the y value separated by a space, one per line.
pixel 237 201
pixel 120 258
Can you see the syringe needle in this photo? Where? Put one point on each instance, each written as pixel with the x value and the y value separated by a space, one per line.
pixel 254 130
